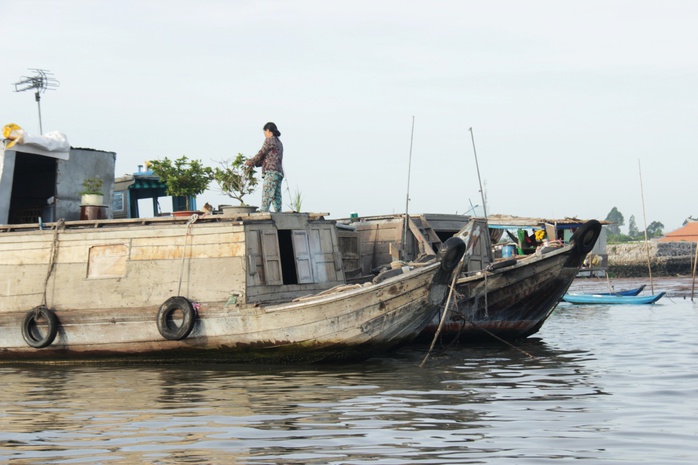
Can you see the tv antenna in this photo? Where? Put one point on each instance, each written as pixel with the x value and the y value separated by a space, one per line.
pixel 42 81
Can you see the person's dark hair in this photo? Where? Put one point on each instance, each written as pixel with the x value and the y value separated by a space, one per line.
pixel 272 127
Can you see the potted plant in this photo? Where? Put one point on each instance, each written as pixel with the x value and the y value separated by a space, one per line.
pixel 182 177
pixel 236 180
pixel 92 191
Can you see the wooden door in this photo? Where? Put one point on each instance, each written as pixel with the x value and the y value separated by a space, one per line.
pixel 263 258
pixel 304 264
pixel 327 264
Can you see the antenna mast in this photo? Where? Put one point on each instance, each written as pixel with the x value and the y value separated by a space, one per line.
pixel 407 201
pixel 477 165
pixel 42 81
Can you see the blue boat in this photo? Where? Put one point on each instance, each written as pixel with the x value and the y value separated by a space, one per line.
pixel 612 299
pixel 626 292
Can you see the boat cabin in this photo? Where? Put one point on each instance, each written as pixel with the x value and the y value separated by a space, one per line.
pixel 385 239
pixel 256 258
pixel 515 235
pixel 39 184
pixel 381 240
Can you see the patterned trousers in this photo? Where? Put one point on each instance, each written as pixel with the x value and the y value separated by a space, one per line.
pixel 271 191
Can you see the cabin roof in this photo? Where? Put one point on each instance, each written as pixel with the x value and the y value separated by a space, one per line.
pixel 138 181
pixel 494 221
pixel 510 221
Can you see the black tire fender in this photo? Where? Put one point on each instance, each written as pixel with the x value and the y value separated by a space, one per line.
pixel 451 252
pixel 30 323
pixel 585 236
pixel 167 327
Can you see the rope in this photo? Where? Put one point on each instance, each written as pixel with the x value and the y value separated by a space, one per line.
pixel 60 226
pixel 486 331
pixel 487 307
pixel 452 286
pixel 190 224
pixel 456 272
pixel 468 320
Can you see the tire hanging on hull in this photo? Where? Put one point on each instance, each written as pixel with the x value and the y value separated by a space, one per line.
pixel 30 327
pixel 167 327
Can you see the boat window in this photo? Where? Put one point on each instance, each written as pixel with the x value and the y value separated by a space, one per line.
pixel 292 256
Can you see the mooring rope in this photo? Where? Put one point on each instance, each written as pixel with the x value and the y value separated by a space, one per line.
pixel 190 224
pixel 487 307
pixel 468 320
pixel 452 286
pixel 490 333
pixel 59 226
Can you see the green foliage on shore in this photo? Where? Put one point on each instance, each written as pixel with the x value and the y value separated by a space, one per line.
pixel 615 236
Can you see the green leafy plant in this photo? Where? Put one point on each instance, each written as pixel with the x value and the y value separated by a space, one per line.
pixel 91 186
pixel 182 177
pixel 296 199
pixel 235 178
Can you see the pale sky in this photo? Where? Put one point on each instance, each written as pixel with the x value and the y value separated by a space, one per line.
pixel 566 100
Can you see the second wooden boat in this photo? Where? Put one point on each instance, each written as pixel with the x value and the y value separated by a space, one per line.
pixel 508 298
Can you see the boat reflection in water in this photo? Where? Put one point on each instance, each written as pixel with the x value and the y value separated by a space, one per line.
pixel 385 407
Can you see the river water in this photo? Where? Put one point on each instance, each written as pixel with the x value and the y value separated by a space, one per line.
pixel 597 385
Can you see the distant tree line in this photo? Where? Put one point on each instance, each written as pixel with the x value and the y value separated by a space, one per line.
pixel 654 229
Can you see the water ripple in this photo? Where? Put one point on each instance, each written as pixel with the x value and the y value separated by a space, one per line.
pixel 606 385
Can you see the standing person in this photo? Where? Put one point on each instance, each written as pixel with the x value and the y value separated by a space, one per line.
pixel 270 158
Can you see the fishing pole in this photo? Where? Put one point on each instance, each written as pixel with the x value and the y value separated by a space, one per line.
pixel 484 207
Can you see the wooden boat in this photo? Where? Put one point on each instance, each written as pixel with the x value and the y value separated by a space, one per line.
pixel 254 288
pixel 609 299
pixel 506 298
pixel 625 292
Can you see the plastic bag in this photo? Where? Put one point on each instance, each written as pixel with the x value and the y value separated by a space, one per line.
pixel 13 133
pixel 53 141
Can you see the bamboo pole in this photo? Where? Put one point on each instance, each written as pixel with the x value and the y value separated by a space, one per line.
pixel 644 219
pixel 479 180
pixel 693 285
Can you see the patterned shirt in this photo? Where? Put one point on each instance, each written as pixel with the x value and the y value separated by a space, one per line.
pixel 270 156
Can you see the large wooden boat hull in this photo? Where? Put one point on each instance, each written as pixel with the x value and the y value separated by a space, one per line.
pixel 114 313
pixel 504 298
pixel 512 302
pixel 508 303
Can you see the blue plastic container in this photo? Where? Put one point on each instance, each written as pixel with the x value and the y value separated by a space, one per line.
pixel 508 251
